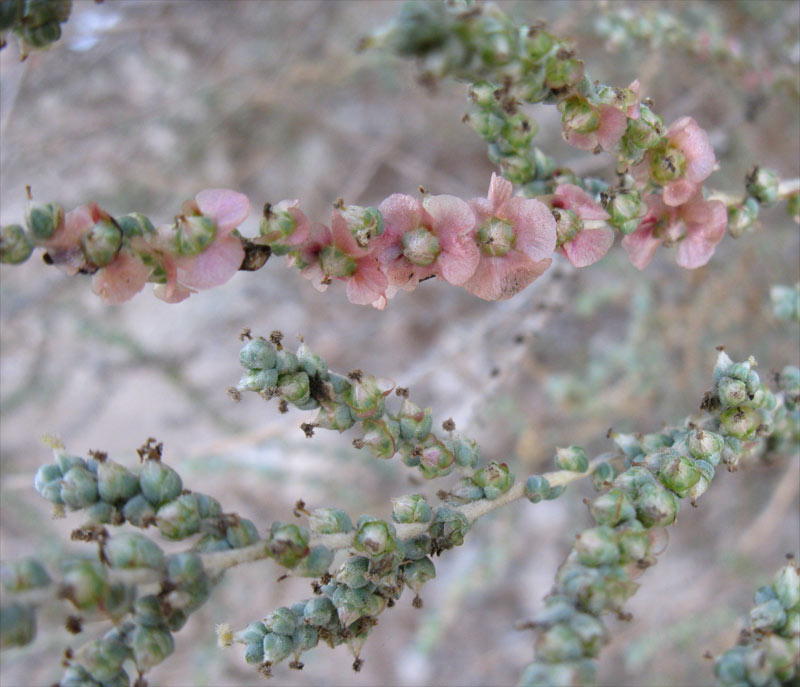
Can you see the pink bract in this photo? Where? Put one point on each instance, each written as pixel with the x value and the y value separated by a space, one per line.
pixel 613 123
pixel 499 277
pixel 64 247
pixel 448 218
pixel 590 244
pixel 121 279
pixel 695 145
pixel 696 227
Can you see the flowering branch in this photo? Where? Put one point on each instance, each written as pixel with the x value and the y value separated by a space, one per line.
pixel 35 23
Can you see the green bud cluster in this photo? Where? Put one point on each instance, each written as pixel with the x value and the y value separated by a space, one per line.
pixel 304 380
pixel 18 620
pixel 662 468
pixel 768 652
pixel 35 23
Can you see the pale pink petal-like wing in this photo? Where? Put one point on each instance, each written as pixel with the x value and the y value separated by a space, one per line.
pixel 368 283
pixel 405 275
pixel 678 192
pixel 696 146
pixel 459 261
pixel 613 123
pixel 588 246
pixel 227 208
pixel 695 251
pixel 452 217
pixel 214 266
pixel 534 225
pixel 176 294
pixel 316 276
pixel 302 228
pixel 708 217
pixel 581 141
pixel 343 239
pixel 641 246
pixel 76 223
pixel 575 198
pixel 500 190
pixel 498 279
pixel 401 213
pixel 120 280
pixel 633 110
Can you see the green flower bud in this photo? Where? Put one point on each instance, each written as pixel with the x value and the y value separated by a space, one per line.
pixel 435 460
pixel 597 546
pixel 572 458
pixel 464 491
pixel 379 437
pixel 46 474
pixel 194 233
pixel 253 633
pixel 258 354
pixel 133 550
pixel 519 130
pixel 288 543
pixel 66 462
pixel 352 573
pixel 730 667
pixel 787 586
pixel 115 483
pixel 243 533
pixel 138 511
pixel 417 547
pixel 119 601
pixel 79 488
pixel 320 612
pixel 765 593
pixel 645 132
pixel 603 476
pixel 742 217
pixel 15 244
pixel 103 658
pixel 159 482
pixel 311 363
pixel 44 219
pixel 335 416
pixel 375 538
pixel 316 563
pixel 186 571
pixel 740 423
pixel 147 611
pixel 655 506
pixel 495 479
pixel 179 518
pixel 364 223
pixel 135 224
pixel 447 529
pixel 465 451
pixel 411 508
pixel 102 242
pixel 77 676
pixel 563 72
pixel 706 445
pixel 768 616
pixel 26 573
pixel 17 625
pixel 282 621
pixel 305 637
pixel 294 387
pixel 329 521
pixel 626 208
pixel 85 583
pixel 254 653
pixel 701 486
pixel 667 165
pixel 578 115
pixel 415 423
pixel 420 28
pixel 679 474
pixel 762 184
pixel 590 631
pixel 731 392
pixel 612 508
pixel 210 542
pixel 102 513
pixel 276 647
pixel 150 646
pixel 286 362
pixel 559 643
pixel 633 542
pixel 555 492
pixel 536 488
pixel 568 224
pixel 418 573
pixel 536 43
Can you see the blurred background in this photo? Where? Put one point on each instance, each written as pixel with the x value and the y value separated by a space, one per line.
pixel 142 104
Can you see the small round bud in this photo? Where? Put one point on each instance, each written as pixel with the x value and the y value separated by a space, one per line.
pixel 559 643
pixel 572 458
pixel 418 573
pixel 26 573
pixel 417 547
pixel 415 423
pixel 258 354
pixel 320 612
pixel 103 658
pixel 147 611
pixel 210 542
pixel 294 387
pixel 787 586
pixel 282 621
pixel 603 476
pixel 435 460
pixel 465 451
pixel 568 224
pixel 44 219
pixel 495 479
pixel 305 637
pixel 645 132
pixel 15 245
pixel 179 518
pixel 253 633
pixel 740 423
pixel 731 392
pixel 138 511
pixel 379 437
pixel 79 488
pixel 194 233
pixel 742 217
pixel 729 668
pixel 463 491
pixel 115 483
pixel 655 506
pixel 135 224
pixel 311 363
pixel 316 564
pixel 679 474
pixel 133 550
pixel 85 583
pixel 150 646
pixel 17 625
pixel 563 72
pixel 633 541
pixel 612 508
pixel 626 209
pixel 590 631
pixel 597 546
pixel 352 573
pixel 288 543
pixel 762 184
pixel 329 521
pixel 536 488
pixel 768 616
pixel 243 533
pixel 186 572
pixel 375 538
pixel 159 482
pixel 578 115
pixel 706 445
pixel 102 242
pixel 335 416
pixel 411 508
pixel 667 165
pixel 101 513
pixel 448 529
pixel 47 473
pixel 276 647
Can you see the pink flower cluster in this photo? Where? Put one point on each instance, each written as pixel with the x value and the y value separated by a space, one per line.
pixel 196 252
pixel 493 247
